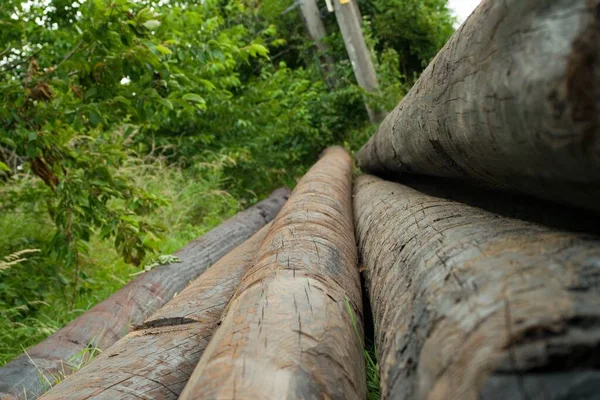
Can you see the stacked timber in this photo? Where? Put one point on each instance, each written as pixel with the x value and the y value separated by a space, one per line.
pixel 471 297
pixel 512 100
pixel 468 301
pixel 293 329
pixel 35 371
pixel 157 358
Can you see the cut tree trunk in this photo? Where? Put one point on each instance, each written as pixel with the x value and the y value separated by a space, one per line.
pixel 468 304
pixel 32 373
pixel 157 358
pixel 294 327
pixel 513 99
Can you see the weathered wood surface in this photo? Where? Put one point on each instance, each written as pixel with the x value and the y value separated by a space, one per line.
pixel 288 332
pixel 157 358
pixel 110 320
pixel 468 304
pixel 507 203
pixel 513 99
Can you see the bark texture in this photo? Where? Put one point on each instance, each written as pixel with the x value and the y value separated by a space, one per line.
pixel 157 358
pixel 468 304
pixel 507 204
pixel 288 332
pixel 513 99
pixel 110 320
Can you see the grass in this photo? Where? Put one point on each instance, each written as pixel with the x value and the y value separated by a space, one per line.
pixel 73 364
pixel 371 367
pixel 36 292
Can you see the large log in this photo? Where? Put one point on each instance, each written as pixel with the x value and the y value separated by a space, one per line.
pixel 513 100
pixel 468 304
pixel 110 320
pixel 157 358
pixel 293 329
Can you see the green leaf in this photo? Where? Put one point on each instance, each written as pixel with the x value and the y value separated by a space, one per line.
pixel 194 98
pixel 151 24
pixel 166 102
pixel 208 84
pixel 4 167
pixel 163 49
pixel 258 49
pixel 32 135
pixel 62 279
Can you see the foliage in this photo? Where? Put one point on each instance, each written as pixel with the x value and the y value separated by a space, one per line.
pixel 34 301
pixel 414 29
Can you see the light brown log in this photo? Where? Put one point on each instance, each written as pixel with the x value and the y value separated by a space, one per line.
pixel 513 99
pixel 157 358
pixel 110 320
pixel 288 331
pixel 468 304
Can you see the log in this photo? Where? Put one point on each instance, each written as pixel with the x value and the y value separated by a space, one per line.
pixel 156 359
pixel 294 327
pixel 513 100
pixel 111 319
pixel 468 304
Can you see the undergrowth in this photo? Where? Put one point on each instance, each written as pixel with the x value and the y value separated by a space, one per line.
pixel 37 297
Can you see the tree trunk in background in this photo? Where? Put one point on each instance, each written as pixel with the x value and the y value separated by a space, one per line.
pixel 316 30
pixel 513 99
pixel 349 19
pixel 294 327
pixel 468 304
pixel 110 320
pixel 158 357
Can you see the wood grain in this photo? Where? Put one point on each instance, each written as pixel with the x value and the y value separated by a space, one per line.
pixel 288 332
pixel 155 360
pixel 468 304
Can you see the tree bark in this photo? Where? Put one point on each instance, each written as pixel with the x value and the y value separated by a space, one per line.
pixel 507 204
pixel 468 304
pixel 110 320
pixel 156 359
pixel 294 327
pixel 513 99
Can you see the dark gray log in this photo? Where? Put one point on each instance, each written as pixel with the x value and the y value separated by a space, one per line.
pixel 293 329
pixel 110 320
pixel 156 359
pixel 513 99
pixel 468 304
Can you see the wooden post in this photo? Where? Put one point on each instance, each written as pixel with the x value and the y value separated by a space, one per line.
pixel 33 373
pixel 316 30
pixel 512 100
pixel 471 305
pixel 349 20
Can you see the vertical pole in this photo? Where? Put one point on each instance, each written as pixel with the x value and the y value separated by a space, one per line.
pixel 316 30
pixel 349 19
